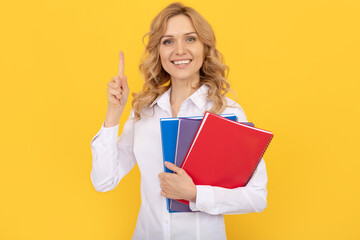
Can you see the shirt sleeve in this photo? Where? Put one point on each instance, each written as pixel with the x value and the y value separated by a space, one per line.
pixel 251 198
pixel 112 156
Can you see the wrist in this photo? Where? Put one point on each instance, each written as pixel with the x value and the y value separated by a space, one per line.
pixel 112 116
pixel 193 198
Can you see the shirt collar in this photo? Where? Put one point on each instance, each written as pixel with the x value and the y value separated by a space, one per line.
pixel 199 98
pixel 162 99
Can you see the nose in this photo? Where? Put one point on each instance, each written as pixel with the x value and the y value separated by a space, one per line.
pixel 180 48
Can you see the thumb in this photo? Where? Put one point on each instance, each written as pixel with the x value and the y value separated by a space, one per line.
pixel 172 167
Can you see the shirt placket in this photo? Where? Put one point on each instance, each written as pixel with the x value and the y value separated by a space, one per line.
pixel 166 220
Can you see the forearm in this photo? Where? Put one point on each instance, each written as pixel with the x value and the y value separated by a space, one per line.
pixel 104 153
pixel 251 198
pixel 112 116
pixel 113 157
pixel 213 200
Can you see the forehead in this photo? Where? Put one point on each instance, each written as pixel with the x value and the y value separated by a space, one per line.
pixel 178 25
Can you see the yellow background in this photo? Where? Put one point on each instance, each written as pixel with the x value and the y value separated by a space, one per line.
pixel 295 68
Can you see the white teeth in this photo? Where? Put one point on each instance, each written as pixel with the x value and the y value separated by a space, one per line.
pixel 181 62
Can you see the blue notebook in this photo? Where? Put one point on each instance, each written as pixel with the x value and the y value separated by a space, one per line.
pixel 169 131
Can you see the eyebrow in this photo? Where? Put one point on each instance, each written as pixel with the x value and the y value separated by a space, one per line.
pixel 184 34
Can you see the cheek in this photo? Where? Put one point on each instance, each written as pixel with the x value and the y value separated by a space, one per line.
pixel 200 55
pixel 163 52
pixel 162 60
pixel 199 52
pixel 164 57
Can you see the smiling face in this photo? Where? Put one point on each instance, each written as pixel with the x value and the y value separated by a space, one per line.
pixel 181 51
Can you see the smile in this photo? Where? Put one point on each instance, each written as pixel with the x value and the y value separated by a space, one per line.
pixel 180 64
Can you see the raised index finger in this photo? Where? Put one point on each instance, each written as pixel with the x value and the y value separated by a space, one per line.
pixel 121 64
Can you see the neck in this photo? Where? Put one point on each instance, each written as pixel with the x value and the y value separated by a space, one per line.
pixel 181 90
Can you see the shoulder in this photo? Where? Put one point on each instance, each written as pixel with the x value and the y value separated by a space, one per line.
pixel 234 107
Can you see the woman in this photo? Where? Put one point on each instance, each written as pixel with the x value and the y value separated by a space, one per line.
pixel 184 76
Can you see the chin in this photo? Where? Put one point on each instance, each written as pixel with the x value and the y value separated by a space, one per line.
pixel 182 77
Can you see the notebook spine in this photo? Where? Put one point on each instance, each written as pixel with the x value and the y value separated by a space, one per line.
pixel 261 155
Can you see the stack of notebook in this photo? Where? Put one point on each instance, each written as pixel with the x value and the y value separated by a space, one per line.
pixel 214 150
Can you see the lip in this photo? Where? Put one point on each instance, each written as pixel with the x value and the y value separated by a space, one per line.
pixel 180 59
pixel 182 66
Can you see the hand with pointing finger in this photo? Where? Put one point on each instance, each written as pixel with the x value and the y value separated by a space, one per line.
pixel 117 95
pixel 118 90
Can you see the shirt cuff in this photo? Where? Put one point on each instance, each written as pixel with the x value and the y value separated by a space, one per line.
pixel 193 207
pixel 205 199
pixel 109 134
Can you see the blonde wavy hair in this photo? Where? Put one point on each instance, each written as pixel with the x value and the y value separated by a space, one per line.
pixel 213 72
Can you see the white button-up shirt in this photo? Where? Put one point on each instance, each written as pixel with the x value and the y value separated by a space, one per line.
pixel 140 143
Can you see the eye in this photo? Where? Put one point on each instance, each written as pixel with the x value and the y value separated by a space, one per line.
pixel 167 41
pixel 191 39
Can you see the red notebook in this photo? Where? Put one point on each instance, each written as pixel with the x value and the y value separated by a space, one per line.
pixel 225 153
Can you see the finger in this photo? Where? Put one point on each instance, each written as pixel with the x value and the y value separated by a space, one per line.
pixel 117 97
pixel 113 85
pixel 115 92
pixel 121 64
pixel 124 84
pixel 116 80
pixel 172 167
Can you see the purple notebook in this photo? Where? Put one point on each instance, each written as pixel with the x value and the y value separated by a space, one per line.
pixel 186 133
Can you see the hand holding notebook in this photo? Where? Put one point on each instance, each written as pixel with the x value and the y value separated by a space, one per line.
pixel 225 153
pixel 169 131
pixel 186 133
